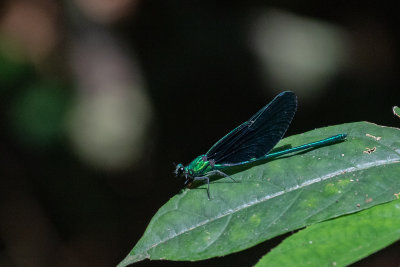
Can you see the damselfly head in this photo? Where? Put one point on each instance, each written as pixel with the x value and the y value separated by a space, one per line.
pixel 179 170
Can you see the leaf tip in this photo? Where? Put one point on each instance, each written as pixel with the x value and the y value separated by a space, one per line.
pixel 130 259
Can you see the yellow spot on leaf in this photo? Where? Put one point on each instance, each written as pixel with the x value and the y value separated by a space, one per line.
pixel 309 203
pixel 343 183
pixel 331 189
pixel 255 220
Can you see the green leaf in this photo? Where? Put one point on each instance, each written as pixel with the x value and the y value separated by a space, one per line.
pixel 277 197
pixel 341 241
pixel 396 111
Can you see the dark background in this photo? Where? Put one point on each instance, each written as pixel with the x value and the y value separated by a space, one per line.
pixel 98 99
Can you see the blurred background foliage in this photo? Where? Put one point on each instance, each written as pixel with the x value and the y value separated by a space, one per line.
pixel 99 98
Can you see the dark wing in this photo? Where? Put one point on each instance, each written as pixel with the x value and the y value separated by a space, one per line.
pixel 257 136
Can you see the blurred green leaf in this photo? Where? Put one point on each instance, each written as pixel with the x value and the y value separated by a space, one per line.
pixel 38 113
pixel 277 197
pixel 341 241
pixel 13 69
